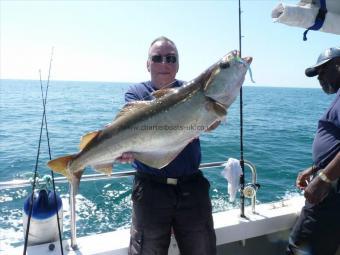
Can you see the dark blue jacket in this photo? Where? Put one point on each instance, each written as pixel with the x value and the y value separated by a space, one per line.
pixel 188 161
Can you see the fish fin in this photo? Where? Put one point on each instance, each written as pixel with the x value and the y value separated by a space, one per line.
pixel 104 168
pixel 85 139
pixel 218 108
pixel 160 93
pixel 131 106
pixel 157 160
pixel 75 180
pixel 61 166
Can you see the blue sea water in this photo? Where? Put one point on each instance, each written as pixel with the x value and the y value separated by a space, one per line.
pixel 279 126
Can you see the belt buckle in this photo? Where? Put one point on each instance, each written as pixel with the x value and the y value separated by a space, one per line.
pixel 171 181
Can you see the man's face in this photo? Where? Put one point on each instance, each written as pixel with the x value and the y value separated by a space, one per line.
pixel 329 76
pixel 162 73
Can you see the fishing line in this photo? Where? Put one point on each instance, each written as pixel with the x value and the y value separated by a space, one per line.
pixel 240 60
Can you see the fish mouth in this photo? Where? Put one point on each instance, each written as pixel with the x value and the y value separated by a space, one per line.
pixel 225 61
pixel 248 59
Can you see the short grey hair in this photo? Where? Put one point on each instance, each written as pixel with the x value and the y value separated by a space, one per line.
pixel 163 39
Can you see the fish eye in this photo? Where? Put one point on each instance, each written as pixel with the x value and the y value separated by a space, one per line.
pixel 224 65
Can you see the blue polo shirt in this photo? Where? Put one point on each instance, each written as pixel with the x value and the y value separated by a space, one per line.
pixel 188 161
pixel 327 139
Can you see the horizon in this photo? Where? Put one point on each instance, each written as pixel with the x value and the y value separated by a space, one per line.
pixel 131 83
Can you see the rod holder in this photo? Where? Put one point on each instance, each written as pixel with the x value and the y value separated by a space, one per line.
pixel 250 189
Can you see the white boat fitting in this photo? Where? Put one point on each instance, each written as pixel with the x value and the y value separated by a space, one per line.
pixel 304 13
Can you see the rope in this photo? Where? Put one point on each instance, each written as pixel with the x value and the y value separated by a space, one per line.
pixel 319 19
pixel 45 182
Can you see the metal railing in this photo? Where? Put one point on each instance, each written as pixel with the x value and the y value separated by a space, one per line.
pixel 249 190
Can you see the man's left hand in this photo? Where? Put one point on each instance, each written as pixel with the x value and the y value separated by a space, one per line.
pixel 126 157
pixel 317 190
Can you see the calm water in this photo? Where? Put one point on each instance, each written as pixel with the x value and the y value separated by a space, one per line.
pixel 279 126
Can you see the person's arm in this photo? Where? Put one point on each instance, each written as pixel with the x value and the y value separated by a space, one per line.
pixel 304 177
pixel 319 188
pixel 131 95
pixel 332 171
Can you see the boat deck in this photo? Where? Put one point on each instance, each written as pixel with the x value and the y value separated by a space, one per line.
pixel 265 230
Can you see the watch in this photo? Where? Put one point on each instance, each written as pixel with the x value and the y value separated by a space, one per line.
pixel 324 177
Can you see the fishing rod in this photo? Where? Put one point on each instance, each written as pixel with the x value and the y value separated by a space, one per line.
pixel 49 147
pixel 241 117
pixel 43 120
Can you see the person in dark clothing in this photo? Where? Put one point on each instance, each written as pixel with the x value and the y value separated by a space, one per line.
pixel 176 197
pixel 317 230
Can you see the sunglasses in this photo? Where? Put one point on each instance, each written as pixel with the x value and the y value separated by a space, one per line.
pixel 164 59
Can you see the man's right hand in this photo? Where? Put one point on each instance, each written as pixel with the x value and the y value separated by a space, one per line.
pixel 126 157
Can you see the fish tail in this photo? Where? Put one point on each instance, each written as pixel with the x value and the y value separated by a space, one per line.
pixel 61 166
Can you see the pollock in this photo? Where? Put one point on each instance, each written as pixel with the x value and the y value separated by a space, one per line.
pixel 156 131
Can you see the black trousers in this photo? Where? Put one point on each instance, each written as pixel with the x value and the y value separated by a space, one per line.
pixel 159 208
pixel 317 230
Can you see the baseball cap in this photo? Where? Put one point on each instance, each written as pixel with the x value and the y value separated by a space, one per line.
pixel 324 57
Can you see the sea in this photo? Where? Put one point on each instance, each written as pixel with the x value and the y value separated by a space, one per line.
pixel 278 127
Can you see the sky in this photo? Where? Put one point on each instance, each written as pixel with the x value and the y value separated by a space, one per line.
pixel 109 40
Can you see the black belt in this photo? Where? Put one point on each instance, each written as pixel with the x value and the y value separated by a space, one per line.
pixel 168 180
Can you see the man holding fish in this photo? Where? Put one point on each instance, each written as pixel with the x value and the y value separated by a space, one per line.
pixel 176 196
pixel 159 129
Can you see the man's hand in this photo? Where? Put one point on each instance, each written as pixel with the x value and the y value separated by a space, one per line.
pixel 314 190
pixel 126 157
pixel 304 177
pixel 317 190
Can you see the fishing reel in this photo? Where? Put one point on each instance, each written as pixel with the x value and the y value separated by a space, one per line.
pixel 250 190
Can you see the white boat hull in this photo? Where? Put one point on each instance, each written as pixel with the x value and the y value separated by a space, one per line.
pixel 267 229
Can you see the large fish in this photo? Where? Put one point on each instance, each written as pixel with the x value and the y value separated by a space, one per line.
pixel 156 131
